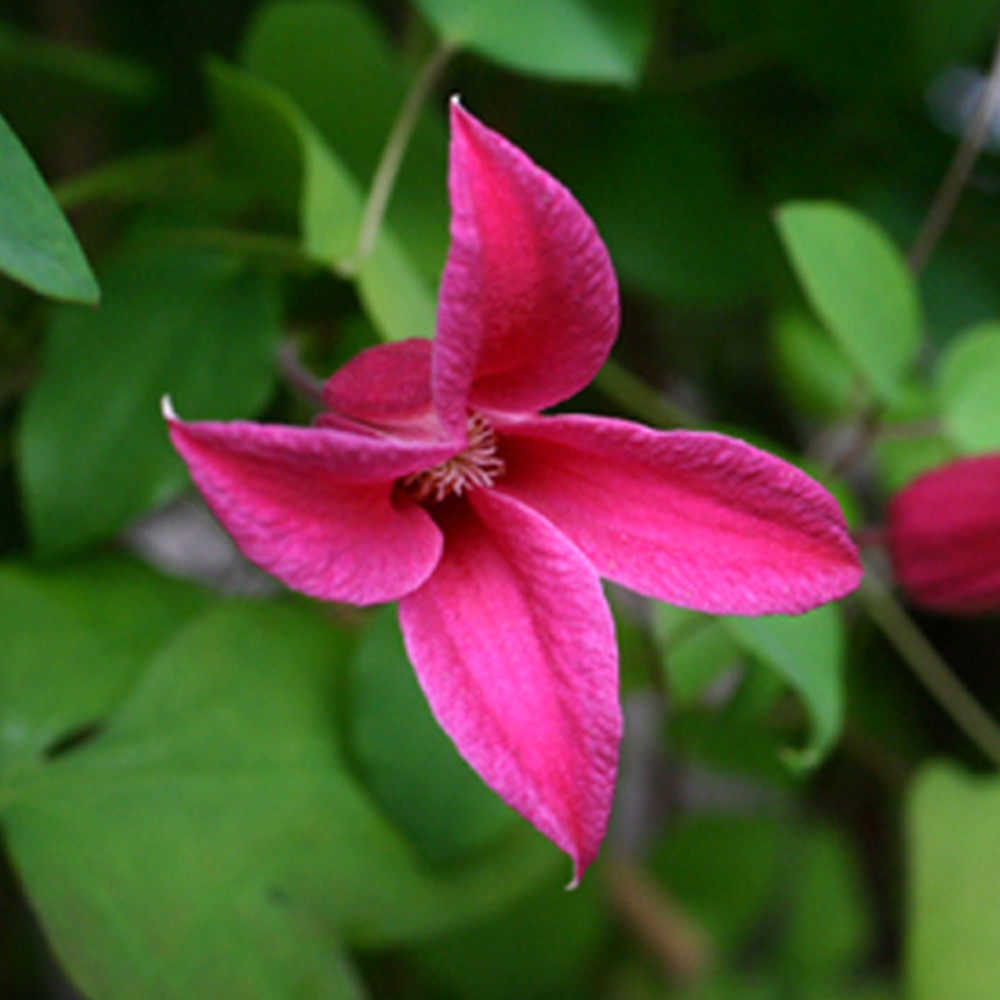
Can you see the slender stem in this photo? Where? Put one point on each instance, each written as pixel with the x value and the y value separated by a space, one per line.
pixel 297 377
pixel 943 207
pixel 639 398
pixel 929 666
pixel 395 150
pixel 913 430
pixel 680 946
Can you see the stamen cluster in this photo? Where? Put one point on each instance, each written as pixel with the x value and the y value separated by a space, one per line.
pixel 478 466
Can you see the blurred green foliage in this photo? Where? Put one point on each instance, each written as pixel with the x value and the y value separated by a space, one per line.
pixel 207 795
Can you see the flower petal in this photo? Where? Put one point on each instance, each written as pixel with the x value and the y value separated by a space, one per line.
pixel 529 300
pixel 943 533
pixel 514 645
pixel 388 386
pixel 316 508
pixel 695 519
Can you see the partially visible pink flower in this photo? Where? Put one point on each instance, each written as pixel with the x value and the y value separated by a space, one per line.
pixel 433 480
pixel 943 534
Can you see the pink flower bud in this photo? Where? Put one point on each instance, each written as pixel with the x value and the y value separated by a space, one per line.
pixel 944 536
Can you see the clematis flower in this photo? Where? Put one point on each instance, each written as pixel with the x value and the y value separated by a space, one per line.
pixel 432 479
pixel 943 536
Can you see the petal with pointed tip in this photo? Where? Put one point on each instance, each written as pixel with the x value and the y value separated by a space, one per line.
pixel 695 519
pixel 514 646
pixel 316 508
pixel 529 301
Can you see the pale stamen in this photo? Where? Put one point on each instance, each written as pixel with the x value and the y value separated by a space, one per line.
pixel 477 467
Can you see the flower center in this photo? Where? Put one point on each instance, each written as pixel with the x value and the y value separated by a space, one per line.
pixel 476 467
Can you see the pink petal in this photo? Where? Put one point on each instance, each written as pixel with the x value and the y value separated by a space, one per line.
pixel 529 301
pixel 514 646
pixel 316 508
pixel 695 519
pixel 943 533
pixel 388 386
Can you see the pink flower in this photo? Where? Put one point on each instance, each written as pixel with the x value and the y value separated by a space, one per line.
pixel 433 480
pixel 943 534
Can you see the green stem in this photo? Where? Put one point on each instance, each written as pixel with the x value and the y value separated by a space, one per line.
pixel 392 155
pixel 638 398
pixel 297 377
pixel 929 666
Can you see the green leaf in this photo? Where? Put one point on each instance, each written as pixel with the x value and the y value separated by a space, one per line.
pixel 548 945
pixel 699 660
pixel 969 389
pixel 270 143
pixel 816 376
pixel 314 50
pixel 93 449
pixel 900 457
pixel 210 841
pixel 806 651
pixel 74 67
pixel 859 286
pixel 74 639
pixel 37 245
pixel 723 870
pixel 411 766
pixel 829 929
pixel 953 937
pixel 397 299
pixel 145 851
pixel 603 41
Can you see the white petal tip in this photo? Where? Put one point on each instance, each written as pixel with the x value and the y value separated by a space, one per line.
pixel 167 409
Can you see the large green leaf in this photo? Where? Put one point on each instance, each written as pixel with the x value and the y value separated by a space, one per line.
pixel 858 284
pixel 953 937
pixel 271 144
pixel 150 852
pixel 93 449
pixel 807 652
pixel 969 389
pixel 210 841
pixel 37 245
pixel 314 51
pixel 74 637
pixel 600 41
